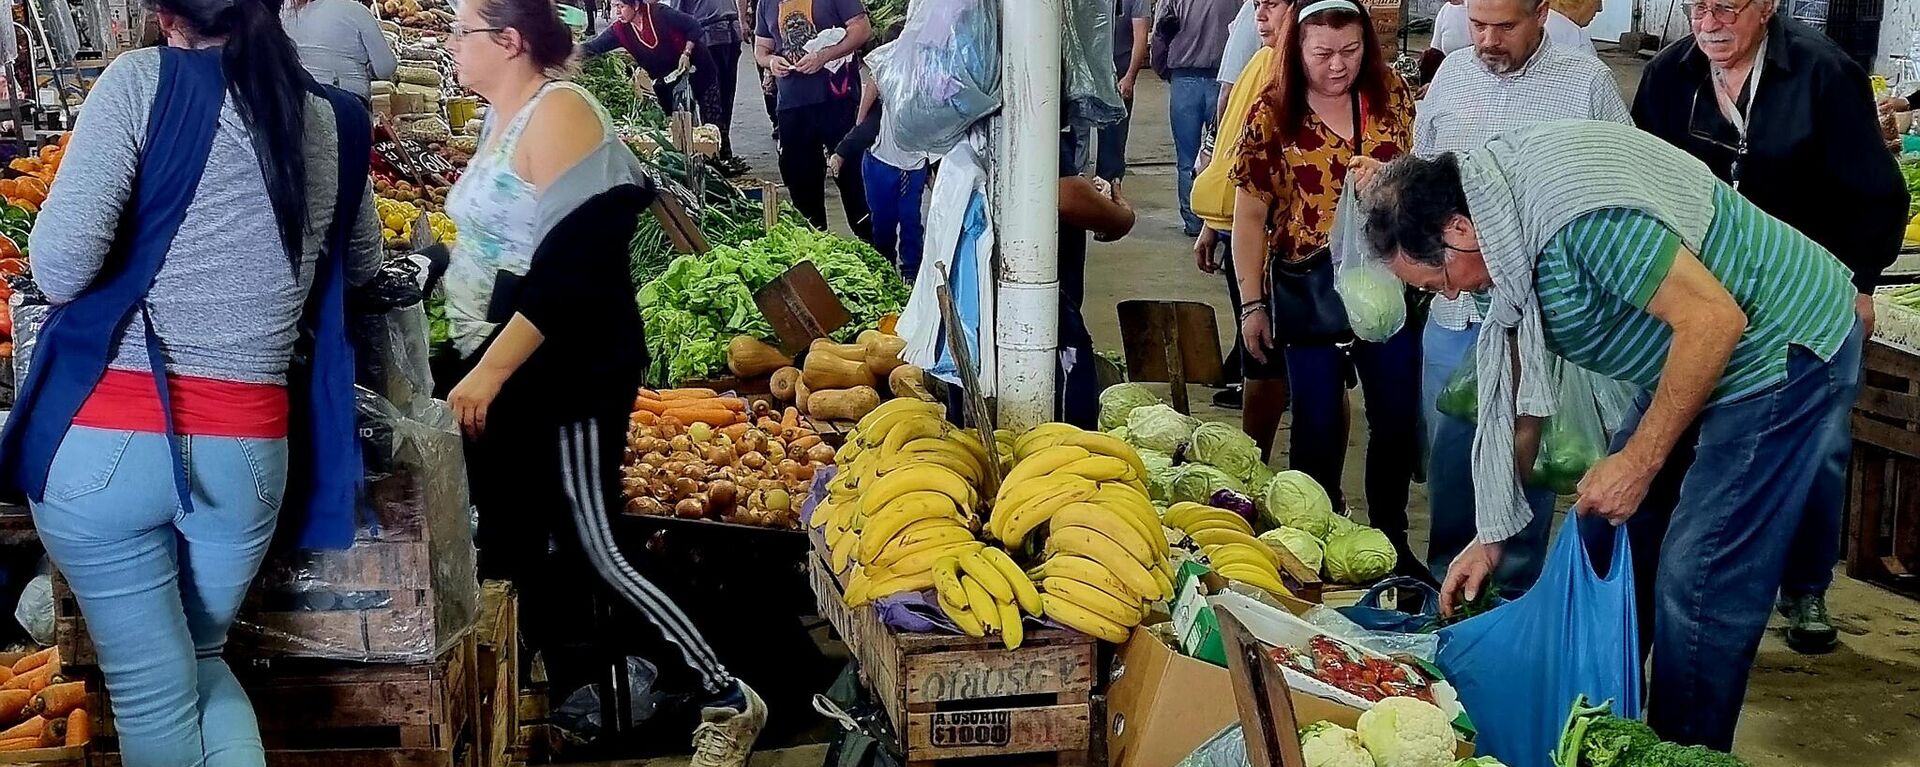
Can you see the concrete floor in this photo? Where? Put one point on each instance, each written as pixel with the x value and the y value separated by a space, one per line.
pixel 1856 707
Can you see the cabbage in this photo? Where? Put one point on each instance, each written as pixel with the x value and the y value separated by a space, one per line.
pixel 1301 543
pixel 1259 477
pixel 1236 502
pixel 1293 499
pixel 1122 433
pixel 1224 447
pixel 1197 482
pixel 1160 482
pixel 1159 427
pixel 1360 556
pixel 1376 300
pixel 1119 400
pixel 1341 524
pixel 1154 460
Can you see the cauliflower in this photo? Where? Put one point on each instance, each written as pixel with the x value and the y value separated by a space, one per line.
pixel 1407 732
pixel 1325 744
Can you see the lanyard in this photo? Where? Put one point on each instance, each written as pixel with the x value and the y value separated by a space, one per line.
pixel 1740 119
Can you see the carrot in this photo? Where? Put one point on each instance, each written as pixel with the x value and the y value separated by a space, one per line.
pixel 692 393
pixel 730 403
pixel 710 417
pixel 20 744
pixel 36 660
pixel 33 727
pixel 79 727
pixel 13 705
pixel 737 431
pixel 645 417
pixel 31 681
pixel 646 393
pixel 60 699
pixel 6 674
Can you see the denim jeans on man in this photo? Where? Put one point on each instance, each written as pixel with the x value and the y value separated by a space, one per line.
pixel 1710 541
pixel 893 196
pixel 159 588
pixel 1318 379
pixel 1192 98
pixel 1816 547
pixel 1111 155
pixel 1450 474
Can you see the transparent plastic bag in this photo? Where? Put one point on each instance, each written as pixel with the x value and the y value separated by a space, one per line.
pixel 1226 749
pixel 1573 439
pixel 942 74
pixel 1086 42
pixel 1376 300
pixel 1460 398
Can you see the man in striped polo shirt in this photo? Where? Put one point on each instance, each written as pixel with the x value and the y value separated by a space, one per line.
pixel 1741 329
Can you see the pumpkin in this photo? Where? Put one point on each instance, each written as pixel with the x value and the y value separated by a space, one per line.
pixel 826 370
pixel 843 404
pixel 750 357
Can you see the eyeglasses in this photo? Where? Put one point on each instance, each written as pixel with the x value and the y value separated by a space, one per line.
pixel 1724 14
pixel 459 31
pixel 1700 127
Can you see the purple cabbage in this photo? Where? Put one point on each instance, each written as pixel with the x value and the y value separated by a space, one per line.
pixel 1235 502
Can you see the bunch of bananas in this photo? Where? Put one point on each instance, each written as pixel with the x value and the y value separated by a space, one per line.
pixel 981 590
pixel 1105 559
pixel 905 496
pixel 1227 541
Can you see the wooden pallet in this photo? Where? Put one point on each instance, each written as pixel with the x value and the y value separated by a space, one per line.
pixel 1884 491
pixel 497 641
pixel 953 697
pixel 315 713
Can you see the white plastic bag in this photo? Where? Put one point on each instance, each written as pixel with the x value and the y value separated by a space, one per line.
pixel 942 74
pixel 1376 301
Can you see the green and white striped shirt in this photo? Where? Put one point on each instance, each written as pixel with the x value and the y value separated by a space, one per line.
pixel 1596 276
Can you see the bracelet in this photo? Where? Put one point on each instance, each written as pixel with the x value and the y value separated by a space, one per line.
pixel 1249 311
pixel 1254 302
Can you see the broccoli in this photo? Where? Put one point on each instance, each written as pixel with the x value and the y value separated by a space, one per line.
pixel 1594 737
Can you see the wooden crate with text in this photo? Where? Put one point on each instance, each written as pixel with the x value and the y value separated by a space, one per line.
pixel 1884 486
pixel 954 697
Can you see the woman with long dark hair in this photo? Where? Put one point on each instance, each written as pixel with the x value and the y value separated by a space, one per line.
pixel 544 319
pixel 663 41
pixel 212 211
pixel 1331 99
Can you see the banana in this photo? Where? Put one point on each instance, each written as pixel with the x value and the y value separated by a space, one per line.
pixel 1215 523
pixel 969 440
pixel 1024 593
pixel 938 540
pixel 879 587
pixel 1120 612
pixel 946 579
pixel 981 603
pixel 926 476
pixel 1255 577
pixel 822 513
pixel 1163 578
pixel 1011 630
pixel 1020 520
pixel 1102 443
pixel 856 592
pixel 848 451
pixel 1240 554
pixel 919 532
pixel 1099 468
pixel 874 425
pixel 1110 523
pixel 963 617
pixel 1183 515
pixel 843 550
pixel 1217 537
pixel 1038 437
pixel 1043 463
pixel 930 427
pixel 1083 620
pixel 1093 574
pixel 951 456
pixel 977 567
pixel 906 512
pixel 1123 498
pixel 1099 548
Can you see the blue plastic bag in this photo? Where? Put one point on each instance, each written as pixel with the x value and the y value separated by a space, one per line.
pixel 1371 616
pixel 1520 666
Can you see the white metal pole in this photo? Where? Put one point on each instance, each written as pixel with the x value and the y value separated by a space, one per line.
pixel 1026 183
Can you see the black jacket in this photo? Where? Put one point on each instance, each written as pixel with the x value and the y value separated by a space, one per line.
pixel 1815 157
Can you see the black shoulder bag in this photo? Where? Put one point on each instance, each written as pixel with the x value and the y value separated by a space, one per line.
pixel 1302 304
pixel 1165 28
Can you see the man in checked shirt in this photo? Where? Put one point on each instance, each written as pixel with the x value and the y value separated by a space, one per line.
pixel 1516 77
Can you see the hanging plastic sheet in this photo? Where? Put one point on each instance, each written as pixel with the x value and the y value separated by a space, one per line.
pixel 1519 667
pixel 959 244
pixel 942 74
pixel 1086 42
pixel 1226 749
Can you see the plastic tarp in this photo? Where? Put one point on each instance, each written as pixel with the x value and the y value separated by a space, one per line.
pixel 1518 667
pixel 959 244
pixel 942 74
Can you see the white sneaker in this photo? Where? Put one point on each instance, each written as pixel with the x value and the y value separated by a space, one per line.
pixel 725 736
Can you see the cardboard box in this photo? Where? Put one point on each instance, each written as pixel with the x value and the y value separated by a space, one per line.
pixel 1162 704
pixel 1194 626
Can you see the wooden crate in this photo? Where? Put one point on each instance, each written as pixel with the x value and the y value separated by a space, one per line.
pixel 497 641
pixel 1884 488
pixel 534 742
pixel 315 714
pixel 952 697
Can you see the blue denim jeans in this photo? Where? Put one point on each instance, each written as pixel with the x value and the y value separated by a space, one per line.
pixel 1110 159
pixel 893 195
pixel 1387 372
pixel 1816 546
pixel 1710 542
pixel 159 588
pixel 1450 474
pixel 1192 97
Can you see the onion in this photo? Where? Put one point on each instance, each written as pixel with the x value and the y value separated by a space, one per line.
pixel 753 461
pixel 719 456
pixel 680 444
pixel 778 500
pixel 685 486
pixel 820 453
pixel 722 493
pixel 690 508
pixel 790 469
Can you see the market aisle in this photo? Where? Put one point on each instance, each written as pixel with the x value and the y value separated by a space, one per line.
pixel 1857 707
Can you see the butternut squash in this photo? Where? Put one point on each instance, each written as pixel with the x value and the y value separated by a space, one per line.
pixel 749 357
pixel 849 352
pixel 832 371
pixel 883 354
pixel 782 383
pixel 800 394
pixel 849 404
pixel 909 381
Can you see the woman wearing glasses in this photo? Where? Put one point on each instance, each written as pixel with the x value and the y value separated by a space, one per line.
pixel 544 318
pixel 1741 330
pixel 1775 109
pixel 1331 99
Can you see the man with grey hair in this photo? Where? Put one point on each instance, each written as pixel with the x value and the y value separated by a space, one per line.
pixel 1517 76
pixel 1778 111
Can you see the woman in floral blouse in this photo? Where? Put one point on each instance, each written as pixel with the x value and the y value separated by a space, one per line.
pixel 1294 153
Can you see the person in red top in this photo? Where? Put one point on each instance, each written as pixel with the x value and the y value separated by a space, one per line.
pixel 663 41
